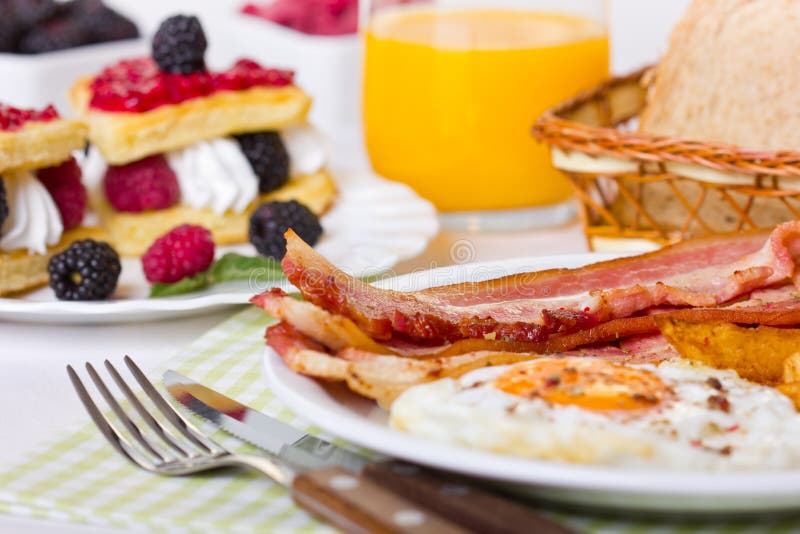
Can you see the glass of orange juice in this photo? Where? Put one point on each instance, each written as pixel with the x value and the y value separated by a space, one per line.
pixel 452 88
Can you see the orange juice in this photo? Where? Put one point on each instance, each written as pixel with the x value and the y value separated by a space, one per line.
pixel 450 97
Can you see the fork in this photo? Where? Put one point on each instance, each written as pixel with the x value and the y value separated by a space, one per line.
pixel 347 500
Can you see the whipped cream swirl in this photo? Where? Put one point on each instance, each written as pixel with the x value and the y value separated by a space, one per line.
pixel 214 174
pixel 307 148
pixel 33 222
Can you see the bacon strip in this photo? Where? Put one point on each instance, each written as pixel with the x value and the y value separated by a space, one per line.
pixel 334 331
pixel 338 333
pixel 532 307
pixel 383 377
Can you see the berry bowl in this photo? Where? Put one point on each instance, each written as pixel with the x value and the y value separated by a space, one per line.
pixel 29 80
pixel 327 67
pixel 44 44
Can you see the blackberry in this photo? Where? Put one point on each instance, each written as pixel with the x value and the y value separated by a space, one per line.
pixel 268 158
pixel 179 45
pixel 102 23
pixel 9 34
pixel 108 25
pixel 19 17
pixel 86 270
pixel 3 203
pixel 271 220
pixel 55 34
pixel 31 12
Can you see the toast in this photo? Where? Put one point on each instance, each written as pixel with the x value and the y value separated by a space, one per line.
pixel 730 76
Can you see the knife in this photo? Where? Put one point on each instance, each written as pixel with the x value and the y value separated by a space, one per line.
pixel 455 500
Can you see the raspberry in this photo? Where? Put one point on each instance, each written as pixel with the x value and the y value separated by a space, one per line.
pixel 86 270
pixel 3 203
pixel 65 186
pixel 183 251
pixel 314 17
pixel 270 221
pixel 179 45
pixel 268 158
pixel 147 184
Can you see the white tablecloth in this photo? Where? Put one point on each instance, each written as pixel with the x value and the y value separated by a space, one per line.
pixel 37 400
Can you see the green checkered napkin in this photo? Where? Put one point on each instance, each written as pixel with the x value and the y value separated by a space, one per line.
pixel 79 478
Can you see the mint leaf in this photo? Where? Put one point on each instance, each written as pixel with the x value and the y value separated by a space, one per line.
pixel 185 285
pixel 233 266
pixel 259 270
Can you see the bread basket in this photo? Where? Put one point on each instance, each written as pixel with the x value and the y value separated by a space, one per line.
pixel 638 190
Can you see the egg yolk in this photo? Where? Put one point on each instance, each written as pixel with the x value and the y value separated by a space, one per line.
pixel 588 383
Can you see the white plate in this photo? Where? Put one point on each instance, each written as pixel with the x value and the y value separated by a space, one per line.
pixel 373 224
pixel 360 421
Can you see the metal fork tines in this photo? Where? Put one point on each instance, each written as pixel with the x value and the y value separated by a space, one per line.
pixel 156 437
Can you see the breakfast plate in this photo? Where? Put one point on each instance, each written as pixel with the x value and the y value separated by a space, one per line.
pixel 373 224
pixel 360 421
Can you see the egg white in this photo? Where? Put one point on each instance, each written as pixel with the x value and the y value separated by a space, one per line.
pixel 761 430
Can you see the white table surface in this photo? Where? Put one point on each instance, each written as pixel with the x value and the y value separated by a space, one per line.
pixel 36 399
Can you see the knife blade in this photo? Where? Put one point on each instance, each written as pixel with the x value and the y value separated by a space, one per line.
pixel 445 500
pixel 300 450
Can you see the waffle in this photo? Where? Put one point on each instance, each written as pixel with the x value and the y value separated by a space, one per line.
pixel 40 144
pixel 126 137
pixel 132 233
pixel 20 271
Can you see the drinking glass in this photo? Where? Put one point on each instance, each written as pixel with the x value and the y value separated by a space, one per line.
pixel 452 88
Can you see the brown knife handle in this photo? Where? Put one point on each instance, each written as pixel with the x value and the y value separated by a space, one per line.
pixel 473 508
pixel 360 505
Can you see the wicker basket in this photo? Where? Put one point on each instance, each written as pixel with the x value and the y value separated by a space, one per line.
pixel 632 186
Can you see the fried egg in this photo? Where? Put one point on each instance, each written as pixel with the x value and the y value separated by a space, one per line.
pixel 676 415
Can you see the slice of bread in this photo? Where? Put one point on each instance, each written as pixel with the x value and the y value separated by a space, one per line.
pixel 731 74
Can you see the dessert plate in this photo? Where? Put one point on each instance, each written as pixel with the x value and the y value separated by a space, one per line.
pixel 360 421
pixel 373 224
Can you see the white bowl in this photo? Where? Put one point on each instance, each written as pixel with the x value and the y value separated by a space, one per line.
pixel 326 67
pixel 37 80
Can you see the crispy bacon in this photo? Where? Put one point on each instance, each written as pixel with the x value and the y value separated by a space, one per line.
pixel 334 331
pixel 538 307
pixel 337 332
pixel 383 377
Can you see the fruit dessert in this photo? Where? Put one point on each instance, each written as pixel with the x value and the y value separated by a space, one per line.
pixel 42 198
pixel 175 143
pixel 36 26
pixel 314 17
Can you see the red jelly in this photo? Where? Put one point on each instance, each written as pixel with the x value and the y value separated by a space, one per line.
pixel 12 118
pixel 137 85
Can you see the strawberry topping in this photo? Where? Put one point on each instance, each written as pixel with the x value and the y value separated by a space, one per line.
pixel 12 118
pixel 137 85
